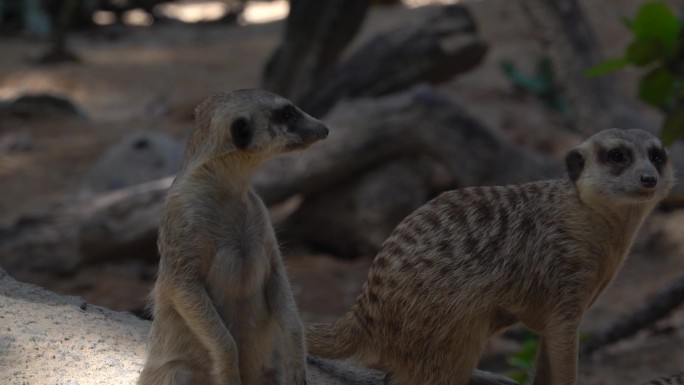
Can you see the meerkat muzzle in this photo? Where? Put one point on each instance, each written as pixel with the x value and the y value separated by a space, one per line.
pixel 648 181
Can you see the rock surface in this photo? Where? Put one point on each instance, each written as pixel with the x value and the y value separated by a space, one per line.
pixel 48 339
pixel 139 157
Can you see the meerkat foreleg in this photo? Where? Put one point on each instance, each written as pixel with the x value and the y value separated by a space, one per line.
pixel 557 357
pixel 542 373
pixel 297 367
pixel 195 307
pixel 279 297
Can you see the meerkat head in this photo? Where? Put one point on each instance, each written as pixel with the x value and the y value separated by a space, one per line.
pixel 620 167
pixel 255 123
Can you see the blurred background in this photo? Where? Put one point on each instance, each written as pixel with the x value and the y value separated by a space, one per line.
pixel 97 99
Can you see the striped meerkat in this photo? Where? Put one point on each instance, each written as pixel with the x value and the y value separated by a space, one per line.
pixel 474 261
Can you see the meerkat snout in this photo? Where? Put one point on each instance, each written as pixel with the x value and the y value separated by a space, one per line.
pixel 649 181
pixel 302 129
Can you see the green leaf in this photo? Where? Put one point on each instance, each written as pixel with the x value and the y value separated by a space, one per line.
pixel 519 362
pixel 646 50
pixel 655 20
pixel 607 67
pixel 656 87
pixel 678 88
pixel 629 23
pixel 531 84
pixel 519 376
pixel 673 127
pixel 545 70
pixel 584 337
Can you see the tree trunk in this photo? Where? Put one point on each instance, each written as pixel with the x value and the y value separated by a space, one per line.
pixel 434 50
pixel 573 48
pixel 316 33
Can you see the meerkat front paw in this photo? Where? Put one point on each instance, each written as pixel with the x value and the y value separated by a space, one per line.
pixel 300 379
pixel 226 377
pixel 488 378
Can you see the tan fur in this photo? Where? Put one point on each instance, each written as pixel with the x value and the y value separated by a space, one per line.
pixel 475 261
pixel 223 308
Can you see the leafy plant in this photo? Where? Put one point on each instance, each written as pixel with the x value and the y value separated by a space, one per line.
pixel 523 360
pixel 542 84
pixel 658 48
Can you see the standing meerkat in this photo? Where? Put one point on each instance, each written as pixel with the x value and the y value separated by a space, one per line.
pixel 224 313
pixel 475 261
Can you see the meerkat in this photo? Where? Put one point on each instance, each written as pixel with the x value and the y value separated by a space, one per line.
pixel 223 308
pixel 475 261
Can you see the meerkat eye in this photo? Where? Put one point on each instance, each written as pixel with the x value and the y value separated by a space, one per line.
pixel 241 133
pixel 285 115
pixel 617 155
pixel 657 156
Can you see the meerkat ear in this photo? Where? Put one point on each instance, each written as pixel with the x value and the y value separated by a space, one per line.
pixel 241 133
pixel 574 164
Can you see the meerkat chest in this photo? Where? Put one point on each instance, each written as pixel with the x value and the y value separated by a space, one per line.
pixel 242 261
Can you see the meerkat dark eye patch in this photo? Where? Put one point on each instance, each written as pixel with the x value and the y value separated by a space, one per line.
pixel 618 155
pixel 574 164
pixel 287 115
pixel 658 157
pixel 617 159
pixel 241 133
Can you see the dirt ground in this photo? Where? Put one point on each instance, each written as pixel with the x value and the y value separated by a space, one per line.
pixel 152 77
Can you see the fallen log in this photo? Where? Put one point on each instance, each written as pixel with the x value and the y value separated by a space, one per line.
pixel 118 224
pixel 653 310
pixel 421 143
pixel 367 135
pixel 124 223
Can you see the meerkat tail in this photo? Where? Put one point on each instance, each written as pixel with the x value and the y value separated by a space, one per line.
pixel 336 340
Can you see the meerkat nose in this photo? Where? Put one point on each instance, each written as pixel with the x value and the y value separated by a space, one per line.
pixel 649 181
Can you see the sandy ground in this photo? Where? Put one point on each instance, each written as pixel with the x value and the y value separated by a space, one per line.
pixel 151 78
pixel 62 340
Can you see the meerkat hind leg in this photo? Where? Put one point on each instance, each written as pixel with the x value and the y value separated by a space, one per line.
pixel 174 373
